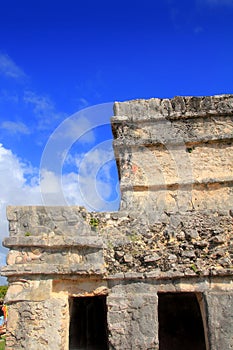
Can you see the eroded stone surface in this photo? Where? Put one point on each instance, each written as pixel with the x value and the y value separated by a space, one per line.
pixel 172 234
pixel 130 330
pixel 220 320
pixel 38 325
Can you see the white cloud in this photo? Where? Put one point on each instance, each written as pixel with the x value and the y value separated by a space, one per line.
pixel 89 184
pixel 15 127
pixel 15 189
pixel 39 107
pixel 9 69
pixel 43 109
pixel 94 177
pixel 76 128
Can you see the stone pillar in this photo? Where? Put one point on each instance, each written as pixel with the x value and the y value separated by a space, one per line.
pixel 219 313
pixel 38 325
pixel 37 319
pixel 133 321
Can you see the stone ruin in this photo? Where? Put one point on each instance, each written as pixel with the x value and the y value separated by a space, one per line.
pixel 157 274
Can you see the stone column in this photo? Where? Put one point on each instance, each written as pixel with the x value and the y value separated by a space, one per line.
pixel 38 325
pixel 133 321
pixel 219 312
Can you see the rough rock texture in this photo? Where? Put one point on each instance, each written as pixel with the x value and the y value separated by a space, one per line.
pixel 175 154
pixel 173 233
pixel 125 327
pixel 53 241
pixel 220 320
pixel 38 325
pixel 183 244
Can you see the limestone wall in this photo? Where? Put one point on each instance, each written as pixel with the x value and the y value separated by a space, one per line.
pixel 175 154
pixel 172 234
pixel 180 244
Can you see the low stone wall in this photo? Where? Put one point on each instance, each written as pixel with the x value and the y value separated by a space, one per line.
pixel 179 244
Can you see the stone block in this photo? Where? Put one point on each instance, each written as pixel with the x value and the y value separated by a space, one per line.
pixel 219 313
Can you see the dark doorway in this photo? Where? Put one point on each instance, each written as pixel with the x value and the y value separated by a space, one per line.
pixel 88 323
pixel 180 322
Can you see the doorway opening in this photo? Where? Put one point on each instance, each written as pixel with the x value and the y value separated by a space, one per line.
pixel 88 323
pixel 180 322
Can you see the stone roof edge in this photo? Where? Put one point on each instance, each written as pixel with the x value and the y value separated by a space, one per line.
pixel 174 108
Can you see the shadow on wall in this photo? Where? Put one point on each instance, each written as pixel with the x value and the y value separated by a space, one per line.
pixel 180 322
pixel 88 323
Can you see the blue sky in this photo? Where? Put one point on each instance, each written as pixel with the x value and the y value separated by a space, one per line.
pixel 59 57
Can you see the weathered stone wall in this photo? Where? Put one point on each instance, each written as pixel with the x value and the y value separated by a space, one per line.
pixel 179 244
pixel 52 241
pixel 38 325
pixel 175 154
pixel 172 234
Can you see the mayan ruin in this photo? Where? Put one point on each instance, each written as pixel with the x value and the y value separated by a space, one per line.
pixel 155 275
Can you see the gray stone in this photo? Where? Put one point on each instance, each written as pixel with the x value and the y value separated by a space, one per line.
pixel 151 258
pixel 188 254
pixel 128 258
pixel 219 308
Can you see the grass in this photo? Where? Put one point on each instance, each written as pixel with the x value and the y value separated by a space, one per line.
pixel 2 343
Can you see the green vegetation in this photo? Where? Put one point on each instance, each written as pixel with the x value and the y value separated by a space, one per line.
pixel 134 237
pixel 2 342
pixel 3 290
pixel 190 149
pixel 194 268
pixel 27 234
pixel 94 223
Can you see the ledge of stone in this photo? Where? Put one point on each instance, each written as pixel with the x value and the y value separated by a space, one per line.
pixel 131 141
pixel 48 269
pixel 170 275
pixel 137 187
pixel 175 108
pixel 53 241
